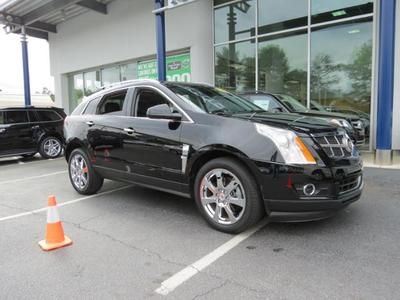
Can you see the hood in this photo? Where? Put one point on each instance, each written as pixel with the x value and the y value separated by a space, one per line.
pixel 296 122
pixel 322 114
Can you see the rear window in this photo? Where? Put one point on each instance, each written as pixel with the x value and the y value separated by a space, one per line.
pixel 112 103
pixel 15 117
pixel 48 116
pixel 92 107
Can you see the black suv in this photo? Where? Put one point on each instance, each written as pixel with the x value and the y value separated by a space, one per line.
pixel 26 131
pixel 238 162
pixel 353 124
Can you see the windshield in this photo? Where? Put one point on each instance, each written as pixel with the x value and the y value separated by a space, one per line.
pixel 292 103
pixel 213 100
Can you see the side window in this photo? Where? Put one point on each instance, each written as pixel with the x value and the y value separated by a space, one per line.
pixel 92 106
pixel 47 116
pixel 147 99
pixel 112 103
pixel 32 116
pixel 15 117
pixel 1 118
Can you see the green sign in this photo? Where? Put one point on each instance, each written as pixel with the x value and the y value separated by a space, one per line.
pixel 178 68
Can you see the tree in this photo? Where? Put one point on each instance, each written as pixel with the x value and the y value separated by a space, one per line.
pixel 46 91
pixel 323 75
pixel 360 72
pixel 273 67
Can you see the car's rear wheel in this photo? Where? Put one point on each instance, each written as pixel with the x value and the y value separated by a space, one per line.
pixel 50 147
pixel 83 177
pixel 227 195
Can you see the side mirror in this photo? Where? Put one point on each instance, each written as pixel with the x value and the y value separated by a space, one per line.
pixel 163 111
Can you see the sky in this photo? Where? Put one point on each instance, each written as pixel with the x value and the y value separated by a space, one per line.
pixel 11 74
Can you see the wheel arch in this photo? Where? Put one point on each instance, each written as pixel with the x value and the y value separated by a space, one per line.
pixel 71 146
pixel 209 153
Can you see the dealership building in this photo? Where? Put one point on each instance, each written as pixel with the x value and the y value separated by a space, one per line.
pixel 341 54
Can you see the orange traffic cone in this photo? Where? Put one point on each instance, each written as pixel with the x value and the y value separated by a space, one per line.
pixel 55 237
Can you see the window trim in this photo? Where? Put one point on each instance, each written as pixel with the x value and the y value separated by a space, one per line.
pixel 132 113
pixel 105 96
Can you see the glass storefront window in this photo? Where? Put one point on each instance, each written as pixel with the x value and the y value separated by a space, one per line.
pixel 341 76
pixel 128 72
pixel 92 82
pixel 282 65
pixel 110 75
pixel 235 66
pixel 328 10
pixel 234 21
pixel 75 90
pixel 280 15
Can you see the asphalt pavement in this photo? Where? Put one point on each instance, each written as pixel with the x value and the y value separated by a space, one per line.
pixel 130 241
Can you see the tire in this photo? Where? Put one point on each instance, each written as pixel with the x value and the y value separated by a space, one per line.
pixel 83 177
pixel 50 147
pixel 235 198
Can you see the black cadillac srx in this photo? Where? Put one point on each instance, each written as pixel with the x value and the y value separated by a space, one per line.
pixel 236 160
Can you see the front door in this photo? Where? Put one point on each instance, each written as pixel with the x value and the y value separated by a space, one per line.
pixel 16 133
pixel 152 147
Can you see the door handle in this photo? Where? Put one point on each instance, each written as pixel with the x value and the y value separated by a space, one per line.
pixel 35 127
pixel 90 123
pixel 129 130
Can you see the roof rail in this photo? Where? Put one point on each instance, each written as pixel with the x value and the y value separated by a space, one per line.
pixel 126 82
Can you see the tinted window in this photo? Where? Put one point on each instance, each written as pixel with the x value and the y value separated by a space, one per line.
pixel 32 116
pixel 79 109
pixel 92 106
pixel 112 103
pixel 266 102
pixel 14 117
pixel 47 115
pixel 1 117
pixel 147 99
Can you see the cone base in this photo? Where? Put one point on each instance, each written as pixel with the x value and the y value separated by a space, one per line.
pixel 52 246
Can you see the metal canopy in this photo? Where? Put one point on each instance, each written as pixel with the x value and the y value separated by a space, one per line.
pixel 42 16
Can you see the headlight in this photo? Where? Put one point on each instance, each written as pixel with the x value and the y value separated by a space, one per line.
pixel 290 146
pixel 341 123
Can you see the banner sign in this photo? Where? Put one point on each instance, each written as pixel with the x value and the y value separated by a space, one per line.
pixel 178 68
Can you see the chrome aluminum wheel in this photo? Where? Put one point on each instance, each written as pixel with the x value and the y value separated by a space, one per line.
pixel 79 172
pixel 52 147
pixel 222 196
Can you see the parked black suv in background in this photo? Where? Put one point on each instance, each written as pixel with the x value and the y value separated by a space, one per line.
pixel 353 124
pixel 26 131
pixel 238 162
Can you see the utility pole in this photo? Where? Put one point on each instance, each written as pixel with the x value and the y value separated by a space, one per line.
pixel 25 65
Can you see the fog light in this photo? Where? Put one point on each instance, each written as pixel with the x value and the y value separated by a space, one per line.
pixel 309 189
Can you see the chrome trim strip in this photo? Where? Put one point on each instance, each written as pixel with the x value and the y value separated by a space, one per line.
pixel 184 157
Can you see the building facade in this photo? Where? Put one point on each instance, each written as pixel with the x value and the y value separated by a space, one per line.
pixel 323 53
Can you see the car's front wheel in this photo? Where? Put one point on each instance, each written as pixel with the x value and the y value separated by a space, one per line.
pixel 227 195
pixel 83 177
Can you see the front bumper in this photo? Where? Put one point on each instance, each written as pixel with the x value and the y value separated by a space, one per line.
pixel 284 198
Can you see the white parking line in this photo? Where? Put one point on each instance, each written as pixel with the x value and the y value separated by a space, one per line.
pixel 32 177
pixel 176 280
pixel 32 212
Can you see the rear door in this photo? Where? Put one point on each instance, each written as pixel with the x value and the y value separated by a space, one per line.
pixel 104 119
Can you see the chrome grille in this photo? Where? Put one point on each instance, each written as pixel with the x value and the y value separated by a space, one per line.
pixel 333 145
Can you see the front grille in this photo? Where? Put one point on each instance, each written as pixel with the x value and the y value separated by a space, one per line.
pixel 334 145
pixel 350 184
